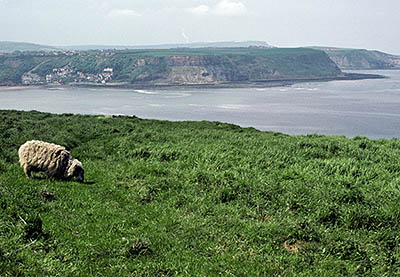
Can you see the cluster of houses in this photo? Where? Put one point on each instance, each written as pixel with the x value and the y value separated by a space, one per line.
pixel 80 53
pixel 68 74
pixel 30 78
pixel 105 53
pixel 59 74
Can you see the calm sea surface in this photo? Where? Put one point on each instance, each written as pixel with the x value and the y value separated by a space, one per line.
pixel 352 108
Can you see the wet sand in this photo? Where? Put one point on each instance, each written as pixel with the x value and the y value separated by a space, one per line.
pixel 8 88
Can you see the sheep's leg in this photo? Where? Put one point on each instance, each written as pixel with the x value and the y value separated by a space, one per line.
pixel 28 170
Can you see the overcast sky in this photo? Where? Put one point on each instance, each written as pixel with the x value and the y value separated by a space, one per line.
pixel 371 24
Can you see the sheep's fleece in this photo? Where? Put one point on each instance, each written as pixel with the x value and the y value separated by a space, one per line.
pixel 53 159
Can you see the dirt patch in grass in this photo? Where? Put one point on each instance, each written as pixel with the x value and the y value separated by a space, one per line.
pixel 47 196
pixel 293 246
pixel 139 247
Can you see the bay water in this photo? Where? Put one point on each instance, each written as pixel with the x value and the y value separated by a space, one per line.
pixel 368 108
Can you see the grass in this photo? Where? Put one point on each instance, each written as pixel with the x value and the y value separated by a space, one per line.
pixel 198 199
pixel 219 51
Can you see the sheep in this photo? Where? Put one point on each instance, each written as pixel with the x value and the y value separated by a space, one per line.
pixel 52 159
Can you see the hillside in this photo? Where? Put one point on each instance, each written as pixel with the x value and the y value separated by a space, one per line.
pixel 222 44
pixel 345 58
pixel 168 66
pixel 362 59
pixel 198 199
pixel 9 47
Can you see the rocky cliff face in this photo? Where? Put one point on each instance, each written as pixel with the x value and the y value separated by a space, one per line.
pixel 364 59
pixel 212 69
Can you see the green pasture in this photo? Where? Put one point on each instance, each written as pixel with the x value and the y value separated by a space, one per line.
pixel 197 199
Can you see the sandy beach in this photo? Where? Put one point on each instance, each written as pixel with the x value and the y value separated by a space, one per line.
pixel 8 88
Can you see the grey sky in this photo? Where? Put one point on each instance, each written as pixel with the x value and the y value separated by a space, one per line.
pixel 368 24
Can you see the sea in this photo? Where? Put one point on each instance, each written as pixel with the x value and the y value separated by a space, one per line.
pixel 369 108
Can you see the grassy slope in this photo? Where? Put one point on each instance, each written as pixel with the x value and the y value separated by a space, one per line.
pixel 198 199
pixel 9 47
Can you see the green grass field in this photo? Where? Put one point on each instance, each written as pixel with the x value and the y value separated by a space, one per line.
pixel 219 51
pixel 198 199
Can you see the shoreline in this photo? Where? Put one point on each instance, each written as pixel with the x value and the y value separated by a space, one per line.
pixel 21 87
pixel 248 84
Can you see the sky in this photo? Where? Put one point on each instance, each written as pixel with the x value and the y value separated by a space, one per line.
pixel 369 24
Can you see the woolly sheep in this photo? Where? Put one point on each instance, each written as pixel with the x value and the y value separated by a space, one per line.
pixel 52 159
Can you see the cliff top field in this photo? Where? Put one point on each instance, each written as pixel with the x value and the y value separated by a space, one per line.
pixel 254 51
pixel 198 199
pixel 9 46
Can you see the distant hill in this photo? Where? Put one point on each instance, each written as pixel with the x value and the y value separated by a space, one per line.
pixel 9 47
pixel 223 44
pixel 362 59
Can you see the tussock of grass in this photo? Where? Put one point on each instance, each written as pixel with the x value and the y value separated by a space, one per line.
pixel 198 199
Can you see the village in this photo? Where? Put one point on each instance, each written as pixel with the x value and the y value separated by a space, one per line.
pixel 68 73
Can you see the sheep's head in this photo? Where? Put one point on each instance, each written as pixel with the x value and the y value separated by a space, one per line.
pixel 76 170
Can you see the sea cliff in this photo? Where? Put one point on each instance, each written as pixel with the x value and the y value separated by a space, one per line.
pixel 208 66
pixel 361 59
